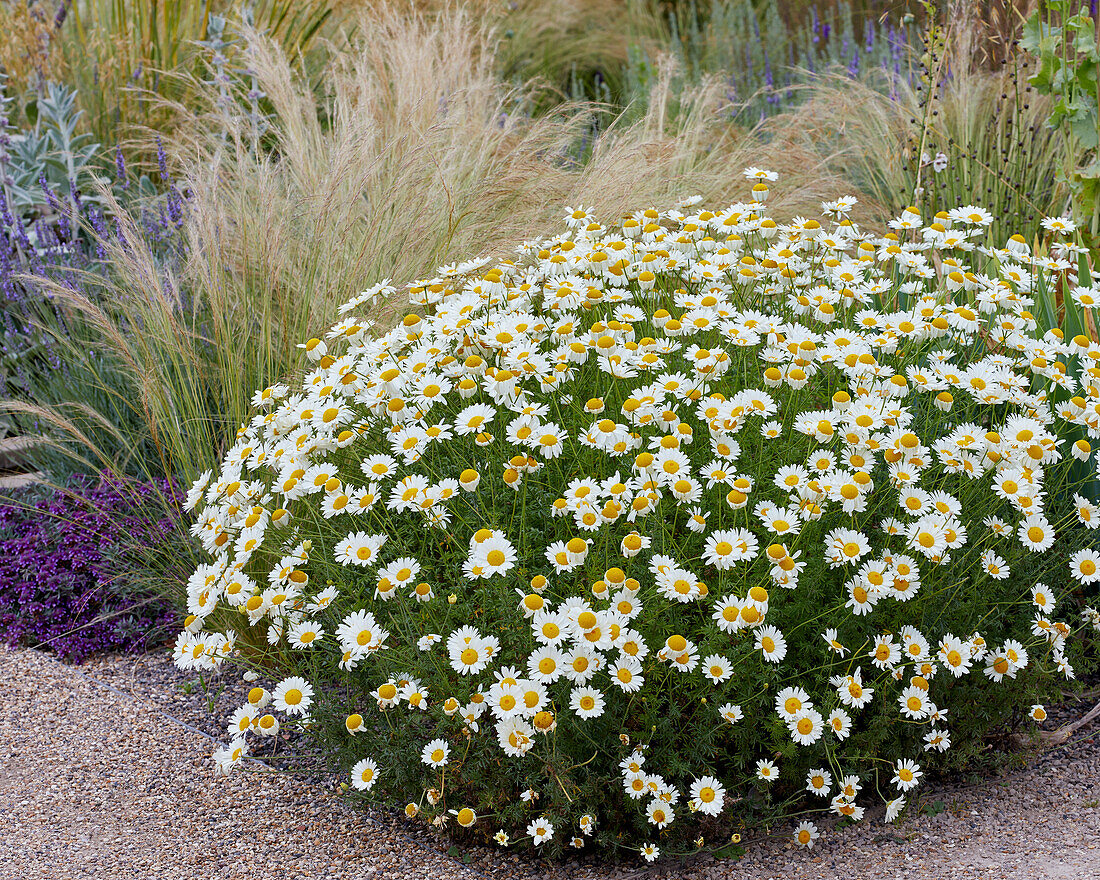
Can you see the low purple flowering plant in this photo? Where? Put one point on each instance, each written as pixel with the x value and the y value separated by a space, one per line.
pixel 65 561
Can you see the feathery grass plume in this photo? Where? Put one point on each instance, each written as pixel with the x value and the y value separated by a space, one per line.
pixel 859 132
pixel 578 48
pixel 420 140
pixel 683 144
pixel 418 151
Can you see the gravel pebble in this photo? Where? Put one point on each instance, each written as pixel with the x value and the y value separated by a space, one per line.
pixel 98 784
pixel 98 781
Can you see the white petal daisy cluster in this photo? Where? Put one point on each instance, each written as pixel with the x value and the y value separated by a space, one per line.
pixel 581 512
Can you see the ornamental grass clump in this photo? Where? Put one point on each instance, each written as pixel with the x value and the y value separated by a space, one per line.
pixel 665 528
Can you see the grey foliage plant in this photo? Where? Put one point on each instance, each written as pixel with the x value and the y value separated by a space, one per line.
pixel 51 157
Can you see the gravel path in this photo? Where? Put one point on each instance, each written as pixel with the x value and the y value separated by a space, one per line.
pixel 98 781
pixel 96 784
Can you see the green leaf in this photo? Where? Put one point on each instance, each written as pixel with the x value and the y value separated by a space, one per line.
pixel 1083 126
pixel 1084 41
pixel 1045 311
pixel 1043 78
pixel 1075 320
pixel 729 851
pixel 1032 35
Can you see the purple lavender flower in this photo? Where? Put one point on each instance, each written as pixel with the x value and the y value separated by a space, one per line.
pixel 162 159
pixel 121 176
pixel 47 191
pixel 5 214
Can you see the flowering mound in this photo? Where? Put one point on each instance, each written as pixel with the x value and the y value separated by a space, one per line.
pixel 666 528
